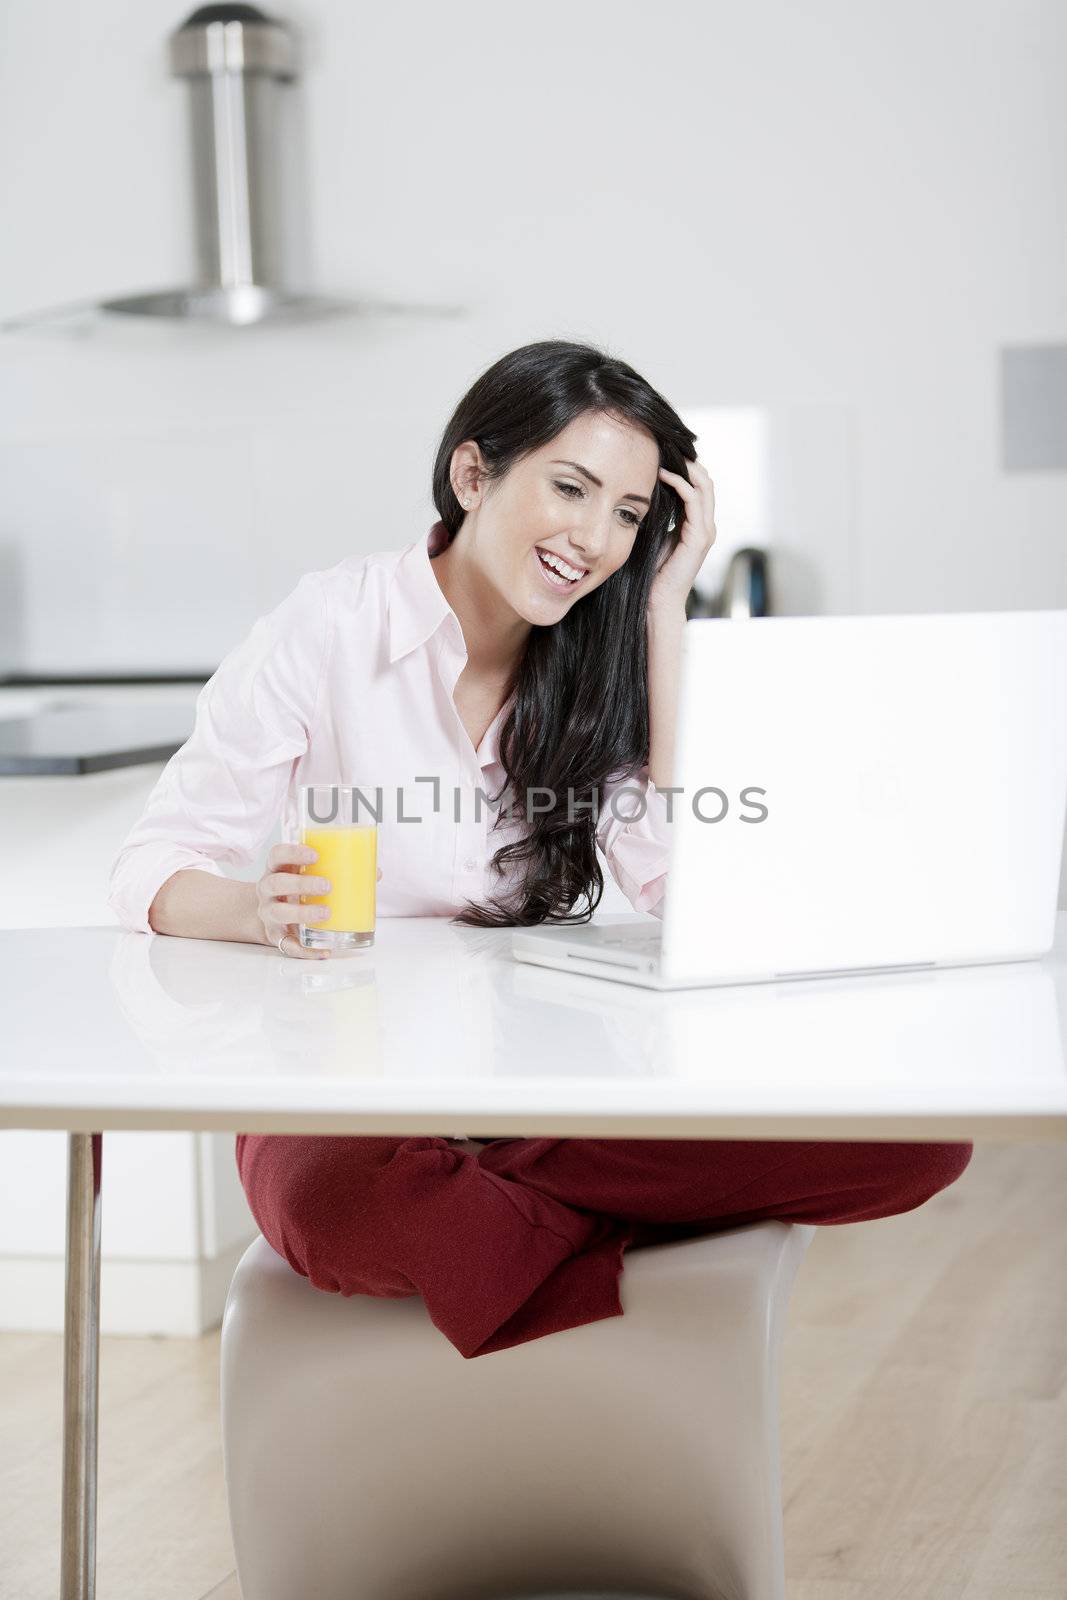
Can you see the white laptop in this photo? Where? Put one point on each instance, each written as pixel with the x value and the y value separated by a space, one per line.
pixel 879 793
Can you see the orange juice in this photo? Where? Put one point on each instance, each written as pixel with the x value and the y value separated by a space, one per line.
pixel 348 857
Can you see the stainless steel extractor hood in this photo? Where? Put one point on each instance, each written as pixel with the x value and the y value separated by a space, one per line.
pixel 235 61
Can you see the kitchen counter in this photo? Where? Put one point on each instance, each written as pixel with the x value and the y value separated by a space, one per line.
pixel 107 680
pixel 72 727
pixel 91 740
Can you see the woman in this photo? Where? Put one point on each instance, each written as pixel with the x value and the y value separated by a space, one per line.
pixel 530 643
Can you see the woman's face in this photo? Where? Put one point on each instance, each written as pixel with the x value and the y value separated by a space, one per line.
pixel 578 500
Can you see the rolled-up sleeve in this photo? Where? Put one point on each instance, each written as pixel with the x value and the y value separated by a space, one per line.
pixel 220 795
pixel 634 834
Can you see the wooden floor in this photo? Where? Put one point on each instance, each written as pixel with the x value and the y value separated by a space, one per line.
pixel 924 1418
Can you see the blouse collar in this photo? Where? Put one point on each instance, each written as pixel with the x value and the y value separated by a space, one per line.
pixel 417 605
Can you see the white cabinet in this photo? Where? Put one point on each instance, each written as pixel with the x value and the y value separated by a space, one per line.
pixel 174 1217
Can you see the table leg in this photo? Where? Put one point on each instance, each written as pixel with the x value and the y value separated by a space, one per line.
pixel 81 1354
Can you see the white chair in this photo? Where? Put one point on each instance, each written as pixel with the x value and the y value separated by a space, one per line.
pixel 366 1459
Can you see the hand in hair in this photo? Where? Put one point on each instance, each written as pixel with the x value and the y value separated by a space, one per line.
pixel 673 581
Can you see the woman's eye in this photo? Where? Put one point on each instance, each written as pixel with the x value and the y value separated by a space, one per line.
pixel 571 489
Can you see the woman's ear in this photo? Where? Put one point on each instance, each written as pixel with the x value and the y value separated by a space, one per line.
pixel 466 472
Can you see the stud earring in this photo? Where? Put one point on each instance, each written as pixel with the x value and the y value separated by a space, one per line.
pixel 466 502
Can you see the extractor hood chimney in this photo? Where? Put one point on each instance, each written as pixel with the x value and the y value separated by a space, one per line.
pixel 236 62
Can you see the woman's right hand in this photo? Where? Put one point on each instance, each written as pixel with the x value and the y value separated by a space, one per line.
pixel 278 906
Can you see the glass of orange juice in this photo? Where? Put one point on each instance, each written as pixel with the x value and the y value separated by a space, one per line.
pixel 339 822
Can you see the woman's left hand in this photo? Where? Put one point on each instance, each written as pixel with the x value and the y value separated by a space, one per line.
pixel 673 581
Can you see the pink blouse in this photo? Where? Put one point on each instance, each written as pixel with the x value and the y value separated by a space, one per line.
pixel 350 680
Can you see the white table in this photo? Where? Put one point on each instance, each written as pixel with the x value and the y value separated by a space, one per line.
pixel 438 1030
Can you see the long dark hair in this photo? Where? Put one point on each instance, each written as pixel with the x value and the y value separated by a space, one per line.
pixel 580 712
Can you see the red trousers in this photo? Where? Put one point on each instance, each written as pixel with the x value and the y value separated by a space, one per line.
pixel 525 1237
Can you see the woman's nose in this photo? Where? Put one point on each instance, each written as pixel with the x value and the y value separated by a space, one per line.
pixel 589 542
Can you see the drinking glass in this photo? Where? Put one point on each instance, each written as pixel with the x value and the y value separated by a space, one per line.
pixel 338 821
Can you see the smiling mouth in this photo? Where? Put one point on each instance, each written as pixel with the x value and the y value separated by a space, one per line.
pixel 556 579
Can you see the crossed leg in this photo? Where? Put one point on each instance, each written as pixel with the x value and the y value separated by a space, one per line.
pixel 525 1237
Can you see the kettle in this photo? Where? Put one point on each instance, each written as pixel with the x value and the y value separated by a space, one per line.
pixel 745 589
